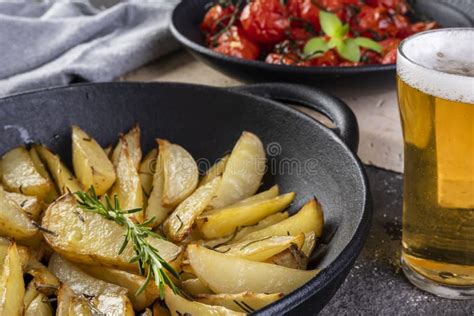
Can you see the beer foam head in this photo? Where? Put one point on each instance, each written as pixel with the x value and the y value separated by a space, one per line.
pixel 439 63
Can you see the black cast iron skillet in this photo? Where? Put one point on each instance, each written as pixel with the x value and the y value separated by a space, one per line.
pixel 207 121
pixel 188 15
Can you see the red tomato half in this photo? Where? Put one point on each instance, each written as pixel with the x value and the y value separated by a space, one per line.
pixel 265 21
pixel 216 14
pixel 235 43
pixel 304 10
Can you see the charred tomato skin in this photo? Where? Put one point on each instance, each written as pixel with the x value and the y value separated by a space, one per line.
pixel 234 43
pixel 265 21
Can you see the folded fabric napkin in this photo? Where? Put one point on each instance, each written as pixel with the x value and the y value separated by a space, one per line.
pixel 52 43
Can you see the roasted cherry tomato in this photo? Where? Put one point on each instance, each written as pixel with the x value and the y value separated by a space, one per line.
pixel 235 43
pixel 335 5
pixel 265 21
pixel 304 13
pixel 216 16
pixel 285 59
pixel 329 58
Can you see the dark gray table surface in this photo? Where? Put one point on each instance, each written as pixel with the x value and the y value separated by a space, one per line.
pixel 376 285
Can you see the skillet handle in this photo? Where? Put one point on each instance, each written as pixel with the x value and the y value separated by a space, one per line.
pixel 315 99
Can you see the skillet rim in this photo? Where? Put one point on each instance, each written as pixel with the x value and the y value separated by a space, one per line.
pixel 204 52
pixel 346 257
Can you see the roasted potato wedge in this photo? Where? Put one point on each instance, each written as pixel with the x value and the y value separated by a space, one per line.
pixel 64 179
pixel 14 222
pixel 271 193
pixel 226 274
pixel 308 219
pixel 40 306
pixel 43 280
pixel 269 220
pixel 222 222
pixel 243 172
pixel 30 293
pixel 147 170
pixel 246 302
pixel 309 243
pixel 262 249
pixel 215 171
pixel 112 304
pixel 291 257
pixel 132 138
pixel 41 168
pixel 180 173
pixel 12 287
pixel 128 187
pixel 79 281
pixel 86 237
pixel 108 151
pixel 19 174
pixel 91 164
pixel 130 281
pixel 178 225
pixel 195 287
pixel 160 310
pixel 65 297
pixel 155 207
pixel 178 306
pixel 31 205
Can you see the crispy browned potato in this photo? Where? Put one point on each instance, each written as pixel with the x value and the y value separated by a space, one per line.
pixel 243 172
pixel 128 187
pixel 179 224
pixel 130 281
pixel 41 168
pixel 40 306
pixel 155 208
pixel 31 205
pixel 308 219
pixel 309 243
pixel 262 249
pixel 14 222
pixel 65 297
pixel 132 137
pixel 291 257
pixel 180 173
pixel 79 281
pixel 64 179
pixel 195 287
pixel 246 302
pixel 226 274
pixel 91 164
pixel 178 305
pixel 215 171
pixel 12 287
pixel 19 174
pixel 160 310
pixel 86 237
pixel 222 222
pixel 147 170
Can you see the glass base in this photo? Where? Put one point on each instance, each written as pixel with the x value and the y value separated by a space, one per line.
pixel 441 290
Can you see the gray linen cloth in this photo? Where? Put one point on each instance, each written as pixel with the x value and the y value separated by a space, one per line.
pixel 50 43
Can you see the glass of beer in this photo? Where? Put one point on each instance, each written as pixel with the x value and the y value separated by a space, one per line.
pixel 435 81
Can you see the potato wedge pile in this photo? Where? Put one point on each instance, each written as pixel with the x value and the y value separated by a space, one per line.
pixel 236 250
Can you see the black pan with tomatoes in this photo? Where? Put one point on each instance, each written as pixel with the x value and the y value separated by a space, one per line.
pixel 311 32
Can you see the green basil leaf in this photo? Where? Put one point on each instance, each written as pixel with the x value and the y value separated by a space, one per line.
pixel 315 45
pixel 334 42
pixel 330 23
pixel 368 43
pixel 349 50
pixel 342 31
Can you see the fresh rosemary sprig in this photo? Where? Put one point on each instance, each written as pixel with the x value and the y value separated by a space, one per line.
pixel 148 257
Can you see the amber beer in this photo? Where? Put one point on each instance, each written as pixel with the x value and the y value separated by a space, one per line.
pixel 435 78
